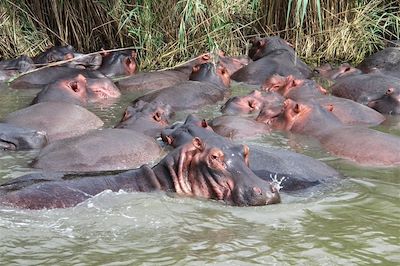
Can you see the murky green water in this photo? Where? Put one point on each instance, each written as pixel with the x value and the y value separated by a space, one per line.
pixel 356 222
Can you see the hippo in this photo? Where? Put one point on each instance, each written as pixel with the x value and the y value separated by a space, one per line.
pixel 118 63
pixel 389 103
pixel 333 73
pixel 358 144
pixel 156 80
pixel 85 61
pixel 232 63
pixel 387 60
pixel 58 119
pixel 293 88
pixel 236 127
pixel 13 67
pixel 40 78
pixel 196 169
pixel 208 84
pixel 270 56
pixel 98 150
pixel 19 138
pixel 54 54
pixel 251 103
pixel 147 118
pixel 348 111
pixel 298 171
pixel 79 90
pixel 365 87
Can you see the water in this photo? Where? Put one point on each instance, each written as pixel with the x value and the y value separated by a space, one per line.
pixel 355 222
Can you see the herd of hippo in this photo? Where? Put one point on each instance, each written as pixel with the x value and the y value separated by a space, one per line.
pixel 202 158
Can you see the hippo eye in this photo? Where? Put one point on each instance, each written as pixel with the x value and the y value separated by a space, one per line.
pixel 257 190
pixel 316 71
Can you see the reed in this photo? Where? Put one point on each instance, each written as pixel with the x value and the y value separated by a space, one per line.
pixel 169 32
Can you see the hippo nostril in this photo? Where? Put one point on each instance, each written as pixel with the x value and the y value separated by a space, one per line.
pixel 257 190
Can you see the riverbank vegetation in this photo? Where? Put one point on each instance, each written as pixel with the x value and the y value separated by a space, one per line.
pixel 167 32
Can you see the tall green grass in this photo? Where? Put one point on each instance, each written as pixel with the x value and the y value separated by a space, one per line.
pixel 169 32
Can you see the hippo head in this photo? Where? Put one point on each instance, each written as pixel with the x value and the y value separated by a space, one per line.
pixel 299 117
pixel 232 63
pixel 285 85
pixel 118 63
pixel 326 71
pixel 78 90
pixel 181 133
pixel 148 118
pixel 55 54
pixel 388 103
pixel 247 104
pixel 264 46
pixel 86 61
pixel 221 173
pixel 212 73
pixel 101 90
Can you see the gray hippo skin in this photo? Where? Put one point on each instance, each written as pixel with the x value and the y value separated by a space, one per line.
pixel 196 169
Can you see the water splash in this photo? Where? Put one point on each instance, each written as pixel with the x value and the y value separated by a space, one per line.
pixel 275 182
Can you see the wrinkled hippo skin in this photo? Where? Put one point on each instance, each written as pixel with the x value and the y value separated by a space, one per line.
pixel 271 56
pixel 79 90
pixel 197 169
pixel 208 85
pixel 58 119
pixel 157 80
pixel 18 138
pixel 146 118
pixel 300 171
pixel 99 150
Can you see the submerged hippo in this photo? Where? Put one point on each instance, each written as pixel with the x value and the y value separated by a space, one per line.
pixel 389 103
pixel 19 138
pixel 347 111
pixel 271 56
pixel 251 103
pixel 236 127
pixel 365 87
pixel 196 169
pixel 99 150
pixel 358 144
pixel 386 60
pixel 58 119
pixel 208 84
pixel 156 80
pixel 79 90
pixel 147 118
pixel 299 171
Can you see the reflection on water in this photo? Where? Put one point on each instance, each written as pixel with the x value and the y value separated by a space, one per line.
pixel 354 222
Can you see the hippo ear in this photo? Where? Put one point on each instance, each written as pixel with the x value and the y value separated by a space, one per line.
pixel 104 52
pixel 157 116
pixel 196 68
pixel 198 143
pixel 222 70
pixel 261 43
pixel 297 108
pixel 204 123
pixel 134 54
pixel 206 57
